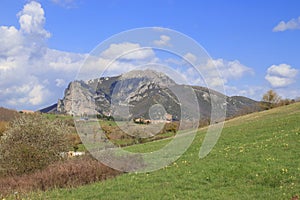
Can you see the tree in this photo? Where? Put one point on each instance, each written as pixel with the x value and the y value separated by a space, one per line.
pixel 32 142
pixel 271 99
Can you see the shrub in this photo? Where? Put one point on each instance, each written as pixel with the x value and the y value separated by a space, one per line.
pixel 70 122
pixel 270 100
pixel 32 142
pixel 171 127
pixel 69 173
pixel 203 123
pixel 285 102
pixel 74 140
pixel 3 127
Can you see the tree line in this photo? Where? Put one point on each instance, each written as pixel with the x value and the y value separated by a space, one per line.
pixel 271 100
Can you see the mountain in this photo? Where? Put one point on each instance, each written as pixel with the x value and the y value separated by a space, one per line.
pixel 137 92
pixel 49 109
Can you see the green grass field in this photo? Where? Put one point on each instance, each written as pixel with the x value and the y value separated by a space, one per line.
pixel 53 116
pixel 256 157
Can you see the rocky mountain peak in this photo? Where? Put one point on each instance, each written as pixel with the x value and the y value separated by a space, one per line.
pixel 149 75
pixel 138 90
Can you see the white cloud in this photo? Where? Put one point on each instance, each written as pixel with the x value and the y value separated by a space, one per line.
pixel 118 58
pixel 250 91
pixel 276 81
pixel 291 93
pixel 230 69
pixel 128 51
pixel 60 82
pixel 164 41
pixel 237 70
pixel 217 72
pixel 35 92
pixel 281 75
pixel 64 61
pixel 37 95
pixel 190 57
pixel 283 70
pixel 27 65
pixel 32 19
pixel 215 82
pixel 10 39
pixel 214 73
pixel 159 29
pixel 290 25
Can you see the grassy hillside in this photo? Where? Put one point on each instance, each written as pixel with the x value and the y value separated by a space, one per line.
pixel 256 157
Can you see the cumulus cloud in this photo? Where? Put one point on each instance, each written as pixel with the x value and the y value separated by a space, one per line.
pixel 217 72
pixel 190 57
pixel 60 82
pixel 10 40
pixel 118 58
pixel 164 41
pixel 251 91
pixel 64 61
pixel 32 19
pixel 128 51
pixel 214 73
pixel 281 75
pixel 34 90
pixel 290 25
pixel 28 68
pixel 230 69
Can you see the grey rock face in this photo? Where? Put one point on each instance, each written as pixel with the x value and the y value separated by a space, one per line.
pixel 134 93
pixel 79 99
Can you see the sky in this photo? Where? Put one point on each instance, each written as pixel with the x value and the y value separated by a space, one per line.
pixel 255 45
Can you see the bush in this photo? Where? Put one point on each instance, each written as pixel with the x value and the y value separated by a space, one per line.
pixel 171 127
pixel 32 142
pixel 270 100
pixel 70 173
pixel 3 127
pixel 74 140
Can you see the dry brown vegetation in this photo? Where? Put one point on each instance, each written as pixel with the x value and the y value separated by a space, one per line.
pixel 31 157
pixel 115 134
pixel 3 127
pixel 32 142
pixel 272 100
pixel 69 173
pixel 7 114
pixel 74 139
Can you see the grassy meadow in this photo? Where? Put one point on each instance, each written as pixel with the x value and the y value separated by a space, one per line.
pixel 256 157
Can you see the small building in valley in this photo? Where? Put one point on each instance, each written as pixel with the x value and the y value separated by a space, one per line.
pixel 26 111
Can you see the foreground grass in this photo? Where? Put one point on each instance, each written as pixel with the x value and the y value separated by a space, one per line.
pixel 256 157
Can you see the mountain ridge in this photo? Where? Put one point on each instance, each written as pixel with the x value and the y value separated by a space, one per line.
pixel 137 91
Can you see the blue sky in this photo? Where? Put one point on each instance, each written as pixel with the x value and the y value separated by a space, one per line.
pixel 256 41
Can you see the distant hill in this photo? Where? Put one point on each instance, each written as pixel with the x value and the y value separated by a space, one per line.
pixel 49 109
pixel 137 91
